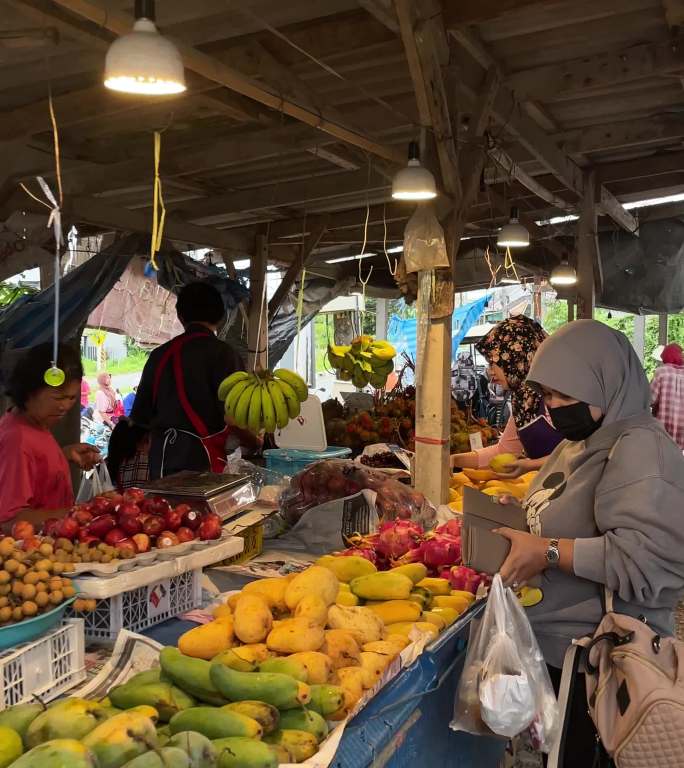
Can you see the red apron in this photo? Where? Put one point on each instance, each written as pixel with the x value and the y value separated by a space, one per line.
pixel 213 444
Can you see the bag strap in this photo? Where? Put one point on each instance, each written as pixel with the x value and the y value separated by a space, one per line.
pixel 571 663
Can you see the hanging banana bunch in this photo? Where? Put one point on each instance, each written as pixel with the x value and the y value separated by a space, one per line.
pixel 263 399
pixel 364 361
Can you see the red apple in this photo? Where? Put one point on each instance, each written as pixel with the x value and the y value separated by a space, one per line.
pixel 130 524
pixel 172 520
pixel 30 543
pixel 160 505
pixel 114 536
pixel 101 506
pixel 115 497
pixel 167 539
pixel 67 528
pixel 190 518
pixel 142 542
pixel 22 529
pixel 128 509
pixel 154 525
pixel 182 509
pixel 134 495
pixel 210 527
pixel 81 516
pixel 127 545
pixel 184 534
pixel 49 526
pixel 100 526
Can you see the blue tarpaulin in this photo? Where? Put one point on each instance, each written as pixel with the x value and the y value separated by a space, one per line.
pixel 402 333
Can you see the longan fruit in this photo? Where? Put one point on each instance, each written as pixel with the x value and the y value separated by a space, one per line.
pixel 69 592
pixel 5 613
pixel 31 578
pixel 58 568
pixel 29 608
pixel 19 555
pixel 56 597
pixel 21 571
pixel 29 592
pixel 106 558
pixel 18 588
pixel 11 565
pixel 6 546
pixel 4 602
pixel 54 584
pixel 79 605
pixel 44 565
pixel 64 544
pixel 91 605
pixel 5 589
pixel 46 549
pixel 17 614
pixel 43 575
pixel 42 599
pixel 4 577
pixel 41 586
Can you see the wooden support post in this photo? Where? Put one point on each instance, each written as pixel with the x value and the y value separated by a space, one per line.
pixel 257 328
pixel 662 329
pixel 640 336
pixel 381 318
pixel 47 274
pixel 571 310
pixel 587 249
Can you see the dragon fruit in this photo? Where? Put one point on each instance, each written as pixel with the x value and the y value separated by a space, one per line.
pixel 441 549
pixel 464 578
pixel 397 537
pixel 452 527
pixel 366 552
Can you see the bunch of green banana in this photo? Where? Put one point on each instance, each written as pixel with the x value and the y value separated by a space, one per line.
pixel 263 399
pixel 365 361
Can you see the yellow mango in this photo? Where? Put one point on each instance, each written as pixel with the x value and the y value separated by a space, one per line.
pixel 346 597
pixel 372 667
pixel 415 571
pixel 460 478
pixel 384 585
pixel 347 568
pixel 318 665
pixel 384 647
pixel 312 607
pixel 359 620
pixel 456 602
pixel 253 652
pixel 272 590
pixel 454 494
pixel 480 475
pixel 350 680
pixel 222 611
pixel 435 586
pixel 404 628
pixel 448 614
pixel 434 618
pixel 502 460
pixel 469 596
pixel 397 610
pixel 207 640
pixel 231 602
pixel 295 635
pixel 315 580
pixel 341 648
pixel 456 506
pixel 253 620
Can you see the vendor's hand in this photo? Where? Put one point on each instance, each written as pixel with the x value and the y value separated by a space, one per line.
pixel 84 455
pixel 517 468
pixel 526 559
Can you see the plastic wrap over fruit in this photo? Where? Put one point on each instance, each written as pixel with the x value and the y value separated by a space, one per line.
pixel 333 479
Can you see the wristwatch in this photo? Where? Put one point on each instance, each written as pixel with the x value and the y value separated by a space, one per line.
pixel 553 554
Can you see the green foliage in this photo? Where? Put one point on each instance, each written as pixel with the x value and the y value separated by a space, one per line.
pixel 133 363
pixel 9 293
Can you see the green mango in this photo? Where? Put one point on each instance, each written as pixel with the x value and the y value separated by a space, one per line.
pixel 326 699
pixel 190 675
pixel 300 744
pixel 20 716
pixel 167 699
pixel 244 753
pixel 282 754
pixel 199 748
pixel 163 735
pixel 11 746
pixel 58 753
pixel 215 723
pixel 282 691
pixel 230 659
pixel 265 714
pixel 123 737
pixel 285 666
pixel 305 720
pixel 143 678
pixel 67 719
pixel 166 757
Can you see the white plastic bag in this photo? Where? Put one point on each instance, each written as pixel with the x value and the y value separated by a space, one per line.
pixel 94 482
pixel 505 687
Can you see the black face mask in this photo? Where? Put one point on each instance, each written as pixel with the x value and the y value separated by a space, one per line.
pixel 575 421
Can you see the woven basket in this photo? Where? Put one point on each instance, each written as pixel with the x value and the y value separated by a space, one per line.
pixel 679 620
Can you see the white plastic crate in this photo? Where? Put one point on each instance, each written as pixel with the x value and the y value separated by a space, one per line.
pixel 45 667
pixel 143 607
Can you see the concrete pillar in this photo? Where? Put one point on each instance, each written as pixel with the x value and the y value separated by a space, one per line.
pixel 639 335
pixel 662 329
pixel 381 318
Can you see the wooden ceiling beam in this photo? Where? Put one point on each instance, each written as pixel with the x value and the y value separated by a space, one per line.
pixel 382 11
pixel 477 11
pixel 624 134
pixel 608 204
pixel 213 69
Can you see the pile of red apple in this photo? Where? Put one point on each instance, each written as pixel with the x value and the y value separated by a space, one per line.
pixel 133 523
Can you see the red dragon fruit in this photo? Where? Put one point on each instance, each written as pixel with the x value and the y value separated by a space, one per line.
pixel 463 578
pixel 397 537
pixel 441 549
pixel 452 527
pixel 366 552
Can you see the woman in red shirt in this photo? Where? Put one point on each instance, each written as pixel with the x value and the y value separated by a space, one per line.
pixel 35 481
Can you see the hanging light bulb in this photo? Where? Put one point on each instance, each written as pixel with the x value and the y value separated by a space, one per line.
pixel 513 234
pixel 563 274
pixel 143 61
pixel 414 182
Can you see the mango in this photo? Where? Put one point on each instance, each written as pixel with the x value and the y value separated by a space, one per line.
pixel 198 748
pixel 467 596
pixel 326 699
pixel 347 568
pixel 456 602
pixel 222 611
pixel 163 734
pixel 215 722
pixel 231 602
pixel 347 598
pixel 300 744
pixel 384 585
pixel 191 675
pixel 384 647
pixel 241 752
pixel 67 719
pixel 281 753
pixel 501 461
pixel 253 619
pixel 304 720
pixel 372 667
pixel 205 641
pixel 166 757
pixel 350 680
pixel 286 666
pixel 123 737
pixel 341 648
pixel 20 716
pixel 479 475
pixel 11 746
pixel 231 659
pixel 313 608
pixel 435 586
pixel 318 666
pixel 448 614
pixel 415 571
pixel 167 699
pixel 154 675
pixel 460 478
pixel 295 635
pixel 57 753
pixel 405 628
pixel 272 590
pixel 256 652
pixel 421 596
pixel 265 714
pixel 360 621
pixel 397 610
pixel 313 581
pixel 282 691
pixel 434 618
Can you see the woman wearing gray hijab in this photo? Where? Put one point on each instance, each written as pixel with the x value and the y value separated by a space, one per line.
pixel 607 508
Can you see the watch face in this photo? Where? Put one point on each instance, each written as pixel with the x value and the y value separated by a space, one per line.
pixel 553 555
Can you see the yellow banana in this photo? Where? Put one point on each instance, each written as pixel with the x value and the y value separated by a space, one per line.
pixel 242 407
pixel 291 398
pixel 229 382
pixel 279 404
pixel 254 413
pixel 295 381
pixel 234 395
pixel 267 409
pixel 383 350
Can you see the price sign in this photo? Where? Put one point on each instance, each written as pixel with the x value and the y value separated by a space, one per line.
pixel 159 599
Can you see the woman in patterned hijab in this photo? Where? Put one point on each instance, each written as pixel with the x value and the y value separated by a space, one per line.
pixel 509 349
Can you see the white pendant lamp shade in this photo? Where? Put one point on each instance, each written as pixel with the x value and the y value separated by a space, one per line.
pixel 143 61
pixel 414 182
pixel 513 234
pixel 563 274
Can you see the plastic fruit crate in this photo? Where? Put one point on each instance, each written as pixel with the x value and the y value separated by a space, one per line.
pixel 45 667
pixel 144 606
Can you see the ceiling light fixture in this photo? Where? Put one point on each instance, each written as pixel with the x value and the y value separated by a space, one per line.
pixel 414 182
pixel 513 234
pixel 143 61
pixel 563 274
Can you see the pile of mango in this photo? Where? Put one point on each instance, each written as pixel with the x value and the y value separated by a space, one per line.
pixel 487 481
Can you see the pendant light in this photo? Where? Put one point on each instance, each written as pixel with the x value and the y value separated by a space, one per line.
pixel 513 234
pixel 563 274
pixel 414 182
pixel 143 61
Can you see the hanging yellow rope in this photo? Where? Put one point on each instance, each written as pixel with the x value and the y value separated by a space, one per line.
pixel 157 205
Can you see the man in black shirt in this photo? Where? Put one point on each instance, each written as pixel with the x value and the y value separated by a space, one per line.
pixel 177 396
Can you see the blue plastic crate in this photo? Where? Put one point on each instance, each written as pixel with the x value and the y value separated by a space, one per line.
pixel 289 461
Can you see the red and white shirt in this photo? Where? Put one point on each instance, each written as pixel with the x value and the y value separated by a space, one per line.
pixel 667 398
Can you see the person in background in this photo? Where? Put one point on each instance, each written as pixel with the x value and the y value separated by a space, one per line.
pixel 128 402
pixel 85 394
pixel 509 349
pixel 35 480
pixel 119 407
pixel 667 393
pixel 105 400
pixel 128 454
